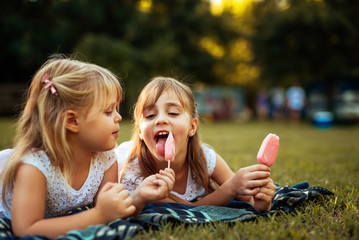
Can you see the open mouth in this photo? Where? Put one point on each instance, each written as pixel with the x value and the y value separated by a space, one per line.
pixel 160 138
pixel 161 135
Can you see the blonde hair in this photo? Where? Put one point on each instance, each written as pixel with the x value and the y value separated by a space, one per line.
pixel 41 125
pixel 149 95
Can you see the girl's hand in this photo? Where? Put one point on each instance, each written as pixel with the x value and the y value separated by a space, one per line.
pixel 248 181
pixel 155 187
pixel 114 202
pixel 263 199
pixel 165 181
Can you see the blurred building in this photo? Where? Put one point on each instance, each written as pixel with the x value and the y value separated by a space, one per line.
pixel 219 103
pixel 344 100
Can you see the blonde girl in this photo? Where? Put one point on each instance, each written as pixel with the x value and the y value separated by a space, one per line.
pixel 63 156
pixel 167 105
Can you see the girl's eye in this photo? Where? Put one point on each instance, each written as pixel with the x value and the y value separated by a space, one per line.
pixel 113 108
pixel 173 113
pixel 150 116
pixel 109 111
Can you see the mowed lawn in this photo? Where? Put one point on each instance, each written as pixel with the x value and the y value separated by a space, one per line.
pixel 327 158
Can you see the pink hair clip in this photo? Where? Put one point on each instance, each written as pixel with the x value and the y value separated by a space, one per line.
pixel 49 84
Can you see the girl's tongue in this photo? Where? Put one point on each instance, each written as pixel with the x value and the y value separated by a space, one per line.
pixel 160 146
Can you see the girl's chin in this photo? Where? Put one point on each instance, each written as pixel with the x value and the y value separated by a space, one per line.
pixel 158 156
pixel 161 158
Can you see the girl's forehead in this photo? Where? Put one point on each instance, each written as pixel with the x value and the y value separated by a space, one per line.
pixel 167 97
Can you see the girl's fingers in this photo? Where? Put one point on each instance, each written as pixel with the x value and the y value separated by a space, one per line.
pixel 252 192
pixel 162 184
pixel 258 167
pixel 258 175
pixel 124 194
pixel 130 210
pixel 127 201
pixel 257 183
pixel 167 180
pixel 267 192
pixel 263 196
pixel 107 186
pixel 117 187
pixel 168 172
pixel 269 189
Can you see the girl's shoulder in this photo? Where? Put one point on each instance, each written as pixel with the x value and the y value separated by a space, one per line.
pixel 208 150
pixel 40 160
pixel 37 157
pixel 105 159
pixel 210 155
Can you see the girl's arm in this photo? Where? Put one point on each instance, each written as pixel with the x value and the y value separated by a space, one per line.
pixel 111 175
pixel 244 184
pixel 29 199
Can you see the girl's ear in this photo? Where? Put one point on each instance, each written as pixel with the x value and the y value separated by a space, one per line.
pixel 71 121
pixel 194 124
pixel 140 133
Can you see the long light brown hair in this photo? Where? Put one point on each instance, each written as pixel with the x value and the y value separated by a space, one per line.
pixel 41 126
pixel 195 157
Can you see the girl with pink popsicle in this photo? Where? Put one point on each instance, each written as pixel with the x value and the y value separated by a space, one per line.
pixel 165 107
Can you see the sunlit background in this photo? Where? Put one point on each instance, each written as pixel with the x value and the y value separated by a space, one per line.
pixel 232 52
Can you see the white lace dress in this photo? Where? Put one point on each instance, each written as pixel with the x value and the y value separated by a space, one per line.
pixel 60 196
pixel 132 175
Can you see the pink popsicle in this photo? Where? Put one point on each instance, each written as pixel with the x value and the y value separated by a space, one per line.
pixel 170 149
pixel 268 150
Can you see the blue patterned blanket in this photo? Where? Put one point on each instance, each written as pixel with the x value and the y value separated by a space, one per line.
pixel 286 200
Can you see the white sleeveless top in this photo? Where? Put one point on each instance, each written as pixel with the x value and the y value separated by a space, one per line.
pixel 60 196
pixel 132 175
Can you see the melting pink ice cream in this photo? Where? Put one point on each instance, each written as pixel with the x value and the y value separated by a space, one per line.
pixel 268 150
pixel 170 148
pixel 165 146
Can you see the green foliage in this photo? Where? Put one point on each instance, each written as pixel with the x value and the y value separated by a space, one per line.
pixel 308 41
pixel 136 44
pixel 162 41
pixel 7 129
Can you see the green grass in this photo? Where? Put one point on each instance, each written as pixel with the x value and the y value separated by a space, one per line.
pixel 7 129
pixel 326 158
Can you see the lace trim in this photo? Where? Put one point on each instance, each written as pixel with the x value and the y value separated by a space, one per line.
pixel 60 196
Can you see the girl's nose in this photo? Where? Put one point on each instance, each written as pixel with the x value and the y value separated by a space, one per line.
pixel 161 119
pixel 118 117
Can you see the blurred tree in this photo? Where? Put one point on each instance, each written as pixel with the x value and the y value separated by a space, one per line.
pixel 33 30
pixel 236 66
pixel 159 37
pixel 138 39
pixel 247 41
pixel 306 41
